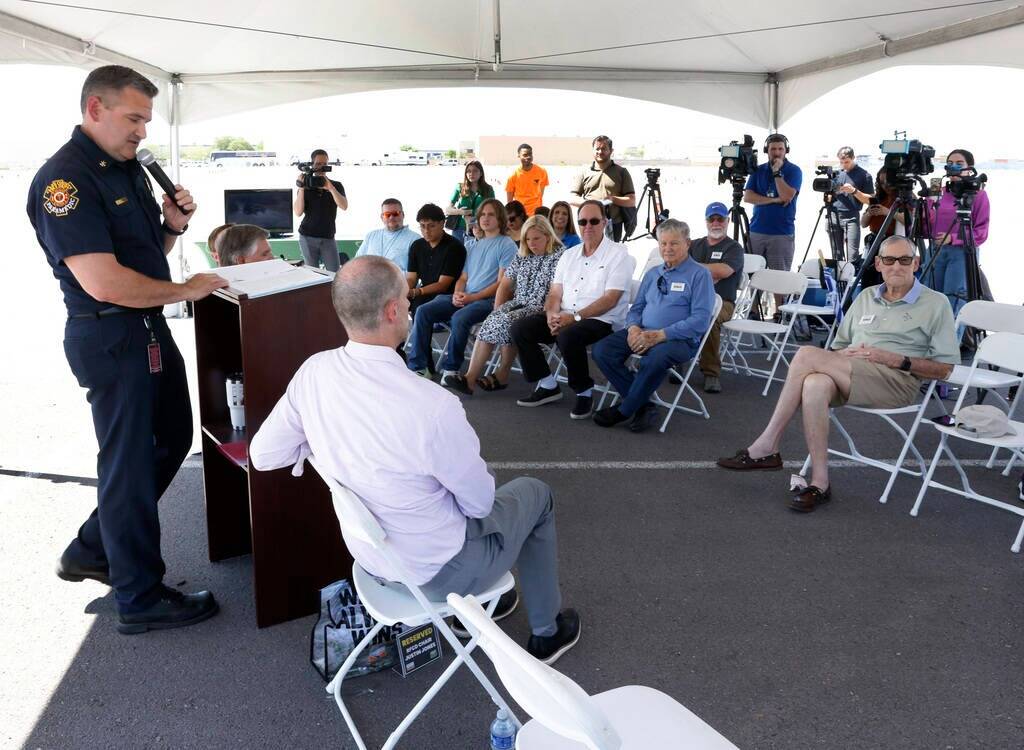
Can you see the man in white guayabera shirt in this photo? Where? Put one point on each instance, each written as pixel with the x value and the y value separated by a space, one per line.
pixel 403 445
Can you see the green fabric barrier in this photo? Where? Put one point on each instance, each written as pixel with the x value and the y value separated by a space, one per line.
pixel 289 248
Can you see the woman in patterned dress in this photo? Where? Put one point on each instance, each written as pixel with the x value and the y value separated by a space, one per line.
pixel 522 292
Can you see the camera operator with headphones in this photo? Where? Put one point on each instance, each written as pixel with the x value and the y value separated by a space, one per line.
pixel 319 198
pixel 948 273
pixel 772 191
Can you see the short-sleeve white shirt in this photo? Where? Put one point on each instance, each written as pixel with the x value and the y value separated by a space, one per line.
pixel 584 280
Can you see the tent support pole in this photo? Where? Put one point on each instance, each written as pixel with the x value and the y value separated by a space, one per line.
pixel 174 88
pixel 772 83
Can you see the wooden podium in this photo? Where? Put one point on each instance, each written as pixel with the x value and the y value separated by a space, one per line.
pixel 287 523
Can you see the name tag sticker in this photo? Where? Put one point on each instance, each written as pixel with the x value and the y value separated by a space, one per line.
pixel 867 320
pixel 120 201
pixel 716 256
pixel 678 286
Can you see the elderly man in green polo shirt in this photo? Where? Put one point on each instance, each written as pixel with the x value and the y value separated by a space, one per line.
pixel 894 335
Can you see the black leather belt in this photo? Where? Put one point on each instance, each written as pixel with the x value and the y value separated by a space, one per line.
pixel 108 311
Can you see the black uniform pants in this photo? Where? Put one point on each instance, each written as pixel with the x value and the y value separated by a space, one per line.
pixel 530 332
pixel 143 425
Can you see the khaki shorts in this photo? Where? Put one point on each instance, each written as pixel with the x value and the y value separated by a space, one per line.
pixel 876 386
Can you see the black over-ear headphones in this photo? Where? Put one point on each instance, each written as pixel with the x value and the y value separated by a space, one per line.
pixel 775 137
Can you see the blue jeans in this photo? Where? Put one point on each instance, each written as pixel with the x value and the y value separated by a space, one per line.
pixel 611 354
pixel 461 319
pixel 949 275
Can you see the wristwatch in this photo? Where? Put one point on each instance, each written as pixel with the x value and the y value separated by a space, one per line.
pixel 776 175
pixel 577 317
pixel 906 364
pixel 175 232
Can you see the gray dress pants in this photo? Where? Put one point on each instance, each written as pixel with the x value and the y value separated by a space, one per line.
pixel 519 532
pixel 316 249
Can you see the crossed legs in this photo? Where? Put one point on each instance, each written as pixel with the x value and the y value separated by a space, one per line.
pixel 814 379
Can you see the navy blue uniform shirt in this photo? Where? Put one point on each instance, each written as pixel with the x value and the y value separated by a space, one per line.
pixel 84 201
pixel 774 218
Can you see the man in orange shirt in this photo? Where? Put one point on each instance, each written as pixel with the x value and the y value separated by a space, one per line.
pixel 527 183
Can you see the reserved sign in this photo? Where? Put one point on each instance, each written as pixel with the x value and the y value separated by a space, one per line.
pixel 417 647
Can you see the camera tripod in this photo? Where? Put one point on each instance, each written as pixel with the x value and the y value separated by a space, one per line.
pixel 965 232
pixel 738 215
pixel 651 195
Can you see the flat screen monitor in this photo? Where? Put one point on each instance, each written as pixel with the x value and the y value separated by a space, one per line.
pixel 270 209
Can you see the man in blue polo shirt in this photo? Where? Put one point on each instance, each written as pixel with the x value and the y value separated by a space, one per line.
pixel 664 326
pixel 772 191
pixel 487 257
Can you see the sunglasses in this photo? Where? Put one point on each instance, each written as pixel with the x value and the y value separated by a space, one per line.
pixel 391 214
pixel 716 220
pixel 662 285
pixel 513 217
pixel 591 222
pixel 903 260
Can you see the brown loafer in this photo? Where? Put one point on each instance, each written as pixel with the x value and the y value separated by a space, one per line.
pixel 743 462
pixel 809 499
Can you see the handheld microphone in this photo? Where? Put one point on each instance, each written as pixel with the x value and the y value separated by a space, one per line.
pixel 146 159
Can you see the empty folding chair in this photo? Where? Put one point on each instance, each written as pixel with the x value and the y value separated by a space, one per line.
pixel 632 717
pixel 811 269
pixel 390 604
pixel 1004 350
pixel 744 296
pixel 786 283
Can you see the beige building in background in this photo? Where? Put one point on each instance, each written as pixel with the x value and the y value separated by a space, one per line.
pixel 548 151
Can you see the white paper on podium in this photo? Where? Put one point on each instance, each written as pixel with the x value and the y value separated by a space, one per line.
pixel 270 276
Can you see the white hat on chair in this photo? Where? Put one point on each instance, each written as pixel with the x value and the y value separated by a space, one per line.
pixel 983 421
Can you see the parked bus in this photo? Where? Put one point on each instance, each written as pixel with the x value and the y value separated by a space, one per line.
pixel 243 158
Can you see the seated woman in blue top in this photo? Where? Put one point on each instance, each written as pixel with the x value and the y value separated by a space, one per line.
pixel 468 195
pixel 561 221
pixel 521 292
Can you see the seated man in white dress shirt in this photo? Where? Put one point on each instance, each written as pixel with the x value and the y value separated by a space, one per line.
pixel 404 446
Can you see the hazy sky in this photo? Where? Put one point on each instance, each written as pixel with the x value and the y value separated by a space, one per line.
pixel 972 107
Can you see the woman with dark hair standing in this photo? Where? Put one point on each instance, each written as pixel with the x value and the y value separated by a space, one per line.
pixel 468 195
pixel 948 273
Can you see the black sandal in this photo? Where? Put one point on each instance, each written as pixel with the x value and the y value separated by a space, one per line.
pixel 458 383
pixel 491 383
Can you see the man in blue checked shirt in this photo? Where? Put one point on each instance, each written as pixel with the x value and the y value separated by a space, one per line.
pixel 672 311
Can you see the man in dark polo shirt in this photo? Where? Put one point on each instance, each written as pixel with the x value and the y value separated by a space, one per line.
pixel 722 256
pixel 856 188
pixel 318 207
pixel 95 216
pixel 604 180
pixel 435 263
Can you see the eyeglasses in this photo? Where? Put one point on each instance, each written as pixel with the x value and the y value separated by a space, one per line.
pixel 903 260
pixel 591 222
pixel 391 214
pixel 716 220
pixel 662 285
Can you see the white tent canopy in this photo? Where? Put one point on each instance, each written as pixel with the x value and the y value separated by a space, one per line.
pixel 759 63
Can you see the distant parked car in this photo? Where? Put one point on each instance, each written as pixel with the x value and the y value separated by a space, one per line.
pixel 449 163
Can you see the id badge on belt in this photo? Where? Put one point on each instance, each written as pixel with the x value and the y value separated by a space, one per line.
pixel 153 350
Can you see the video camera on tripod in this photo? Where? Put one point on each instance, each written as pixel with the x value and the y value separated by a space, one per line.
pixel 739 161
pixel 827 182
pixel 967 186
pixel 906 161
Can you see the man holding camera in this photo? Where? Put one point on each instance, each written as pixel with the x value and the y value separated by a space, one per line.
pixel 772 190
pixel 318 201
pixel 853 188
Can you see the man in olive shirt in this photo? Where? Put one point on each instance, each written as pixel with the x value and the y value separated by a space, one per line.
pixel 893 336
pixel 724 258
pixel 604 180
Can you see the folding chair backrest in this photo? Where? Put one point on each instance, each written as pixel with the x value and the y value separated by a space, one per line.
pixel 811 268
pixel 653 260
pixel 634 287
pixel 1002 349
pixel 355 519
pixel 992 316
pixel 548 696
pixel 753 263
pixel 779 282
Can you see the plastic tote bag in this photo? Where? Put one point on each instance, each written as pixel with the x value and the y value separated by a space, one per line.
pixel 343 623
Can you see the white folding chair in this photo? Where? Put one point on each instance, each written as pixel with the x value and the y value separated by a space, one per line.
pixel 681 377
pixel 811 269
pixel 786 283
pixel 389 604
pixel 744 296
pixel 565 717
pixel 1004 350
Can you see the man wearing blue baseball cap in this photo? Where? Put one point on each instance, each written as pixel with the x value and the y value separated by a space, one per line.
pixel 723 257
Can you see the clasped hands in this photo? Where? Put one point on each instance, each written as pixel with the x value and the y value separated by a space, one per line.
pixel 873 354
pixel 640 341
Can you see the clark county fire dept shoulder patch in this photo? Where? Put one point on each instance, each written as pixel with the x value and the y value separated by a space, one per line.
pixel 60 198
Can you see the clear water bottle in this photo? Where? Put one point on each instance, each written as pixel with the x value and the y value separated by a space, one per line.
pixel 503 731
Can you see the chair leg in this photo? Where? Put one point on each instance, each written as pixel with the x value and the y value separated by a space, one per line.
pixel 335 685
pixel 928 477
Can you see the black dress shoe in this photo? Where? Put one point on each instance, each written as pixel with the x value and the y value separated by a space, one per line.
pixel 548 648
pixel 506 605
pixel 643 418
pixel 69 570
pixel 173 610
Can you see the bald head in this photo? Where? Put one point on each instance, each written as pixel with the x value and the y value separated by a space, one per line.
pixel 363 288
